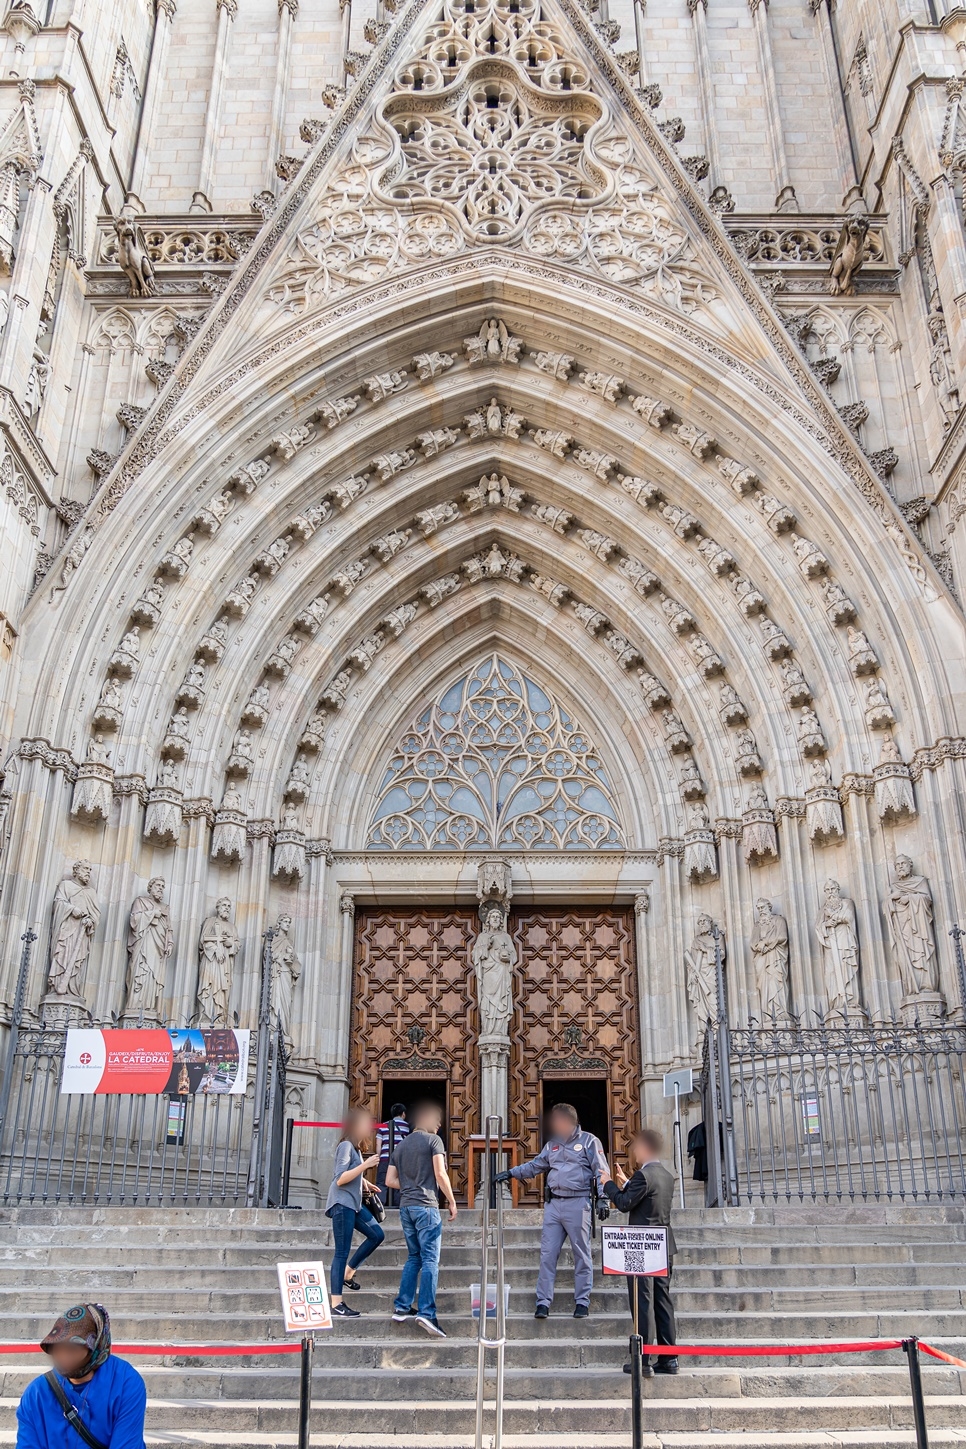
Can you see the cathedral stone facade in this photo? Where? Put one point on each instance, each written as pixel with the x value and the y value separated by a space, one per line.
pixel 500 452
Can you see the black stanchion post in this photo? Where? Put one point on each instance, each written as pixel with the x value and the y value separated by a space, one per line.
pixel 910 1347
pixel 305 1390
pixel 287 1160
pixel 637 1382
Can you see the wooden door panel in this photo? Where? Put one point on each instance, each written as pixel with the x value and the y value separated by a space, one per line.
pixel 414 1012
pixel 575 1014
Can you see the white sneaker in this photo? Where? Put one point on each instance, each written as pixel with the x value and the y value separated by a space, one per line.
pixel 429 1325
pixel 401 1315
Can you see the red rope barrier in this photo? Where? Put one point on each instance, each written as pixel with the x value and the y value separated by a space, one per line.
pixel 938 1353
pixel 188 1350
pixel 723 1350
pixel 297 1122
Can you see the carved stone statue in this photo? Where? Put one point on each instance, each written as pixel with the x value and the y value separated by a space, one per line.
pixel 911 929
pixel 76 912
pixel 769 950
pixel 850 253
pixel 839 941
pixel 494 957
pixel 702 976
pixel 132 257
pixel 285 969
pixel 218 948
pixel 149 944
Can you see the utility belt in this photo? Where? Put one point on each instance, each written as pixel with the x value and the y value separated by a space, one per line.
pixel 570 1196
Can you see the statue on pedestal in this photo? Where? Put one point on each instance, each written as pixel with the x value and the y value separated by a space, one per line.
pixel 702 974
pixel 911 930
pixel 494 957
pixel 218 948
pixel 839 941
pixel 74 917
pixel 286 968
pixel 769 951
pixel 149 944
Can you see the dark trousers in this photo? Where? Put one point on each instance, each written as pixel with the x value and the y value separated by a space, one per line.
pixel 389 1195
pixel 654 1306
pixel 345 1222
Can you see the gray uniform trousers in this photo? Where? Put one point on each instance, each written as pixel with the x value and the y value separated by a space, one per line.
pixel 566 1217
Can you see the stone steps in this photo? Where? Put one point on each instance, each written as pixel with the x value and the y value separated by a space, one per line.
pixel 741 1277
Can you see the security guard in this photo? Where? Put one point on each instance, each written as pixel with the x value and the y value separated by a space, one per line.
pixel 575 1165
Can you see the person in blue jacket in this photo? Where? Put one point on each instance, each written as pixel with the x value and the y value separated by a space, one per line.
pixel 88 1397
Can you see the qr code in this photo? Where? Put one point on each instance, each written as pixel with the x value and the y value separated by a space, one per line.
pixel 636 1262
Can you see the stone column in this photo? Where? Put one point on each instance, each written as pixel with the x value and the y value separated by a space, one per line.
pixel 785 199
pixel 720 196
pixel 153 90
pixel 843 140
pixel 287 11
pixel 201 201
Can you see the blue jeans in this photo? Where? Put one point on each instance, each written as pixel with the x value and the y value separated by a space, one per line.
pixel 423 1227
pixel 345 1222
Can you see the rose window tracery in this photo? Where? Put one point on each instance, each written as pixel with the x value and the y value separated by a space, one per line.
pixel 495 763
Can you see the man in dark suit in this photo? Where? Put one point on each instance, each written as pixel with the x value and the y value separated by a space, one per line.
pixel 646 1197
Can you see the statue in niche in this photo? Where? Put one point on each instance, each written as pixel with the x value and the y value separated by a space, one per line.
pixel 911 929
pixel 149 944
pixel 286 968
pixel 702 974
pixel 494 957
pixel 839 940
pixel 75 914
pixel 769 951
pixel 218 948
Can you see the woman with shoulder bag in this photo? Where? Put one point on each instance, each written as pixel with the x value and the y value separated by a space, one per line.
pixel 349 1213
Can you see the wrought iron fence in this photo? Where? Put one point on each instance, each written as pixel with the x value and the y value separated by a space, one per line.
pixel 152 1150
pixel 836 1113
pixel 136 1148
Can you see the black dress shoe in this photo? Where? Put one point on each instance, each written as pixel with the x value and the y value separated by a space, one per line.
pixel 646 1371
pixel 542 1310
pixel 581 1311
pixel 666 1365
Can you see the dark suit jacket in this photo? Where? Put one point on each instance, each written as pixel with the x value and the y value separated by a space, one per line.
pixel 647 1200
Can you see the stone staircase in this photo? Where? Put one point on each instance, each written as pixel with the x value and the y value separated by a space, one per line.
pixel 742 1276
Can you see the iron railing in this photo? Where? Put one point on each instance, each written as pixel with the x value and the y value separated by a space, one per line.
pixel 837 1113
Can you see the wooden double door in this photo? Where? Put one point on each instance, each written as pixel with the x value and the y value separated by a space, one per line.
pixel 574 1034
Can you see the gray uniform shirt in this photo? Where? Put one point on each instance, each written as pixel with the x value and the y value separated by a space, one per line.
pixel 570 1166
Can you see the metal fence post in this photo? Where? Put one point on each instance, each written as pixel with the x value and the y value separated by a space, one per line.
pixel 287 1160
pixel 257 1181
pixel 305 1390
pixel 910 1347
pixel 730 1175
pixel 957 935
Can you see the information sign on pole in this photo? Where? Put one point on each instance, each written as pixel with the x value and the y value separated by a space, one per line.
pixel 635 1252
pixel 305 1302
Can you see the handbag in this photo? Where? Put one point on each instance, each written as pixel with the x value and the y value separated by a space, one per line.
pixel 375 1204
pixel 71 1414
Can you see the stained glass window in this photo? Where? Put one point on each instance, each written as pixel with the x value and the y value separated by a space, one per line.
pixel 495 763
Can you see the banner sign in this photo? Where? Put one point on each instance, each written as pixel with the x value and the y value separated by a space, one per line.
pixel 181 1062
pixel 305 1303
pixel 635 1252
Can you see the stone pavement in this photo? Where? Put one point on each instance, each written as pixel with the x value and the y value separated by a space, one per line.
pixel 742 1276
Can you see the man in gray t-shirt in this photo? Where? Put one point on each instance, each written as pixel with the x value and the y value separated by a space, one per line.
pixel 418 1170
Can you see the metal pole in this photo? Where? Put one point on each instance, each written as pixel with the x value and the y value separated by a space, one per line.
pixel 637 1380
pixel 492 1203
pixel 910 1347
pixel 28 938
pixel 287 1162
pixel 957 934
pixel 305 1390
pixel 730 1183
pixel 678 1144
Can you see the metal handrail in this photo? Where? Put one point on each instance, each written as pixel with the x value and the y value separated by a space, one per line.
pixel 492 1210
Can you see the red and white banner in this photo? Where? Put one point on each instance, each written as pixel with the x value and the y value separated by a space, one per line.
pixel 180 1062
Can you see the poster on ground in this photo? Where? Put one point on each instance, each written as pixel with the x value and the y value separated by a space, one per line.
pixel 180 1061
pixel 305 1302
pixel 635 1252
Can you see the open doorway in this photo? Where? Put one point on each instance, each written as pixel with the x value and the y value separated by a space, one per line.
pixel 588 1095
pixel 409 1091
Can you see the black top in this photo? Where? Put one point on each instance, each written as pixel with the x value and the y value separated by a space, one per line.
pixel 647 1199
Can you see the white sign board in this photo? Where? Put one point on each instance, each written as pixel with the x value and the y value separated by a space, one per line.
pixel 305 1302
pixel 635 1252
